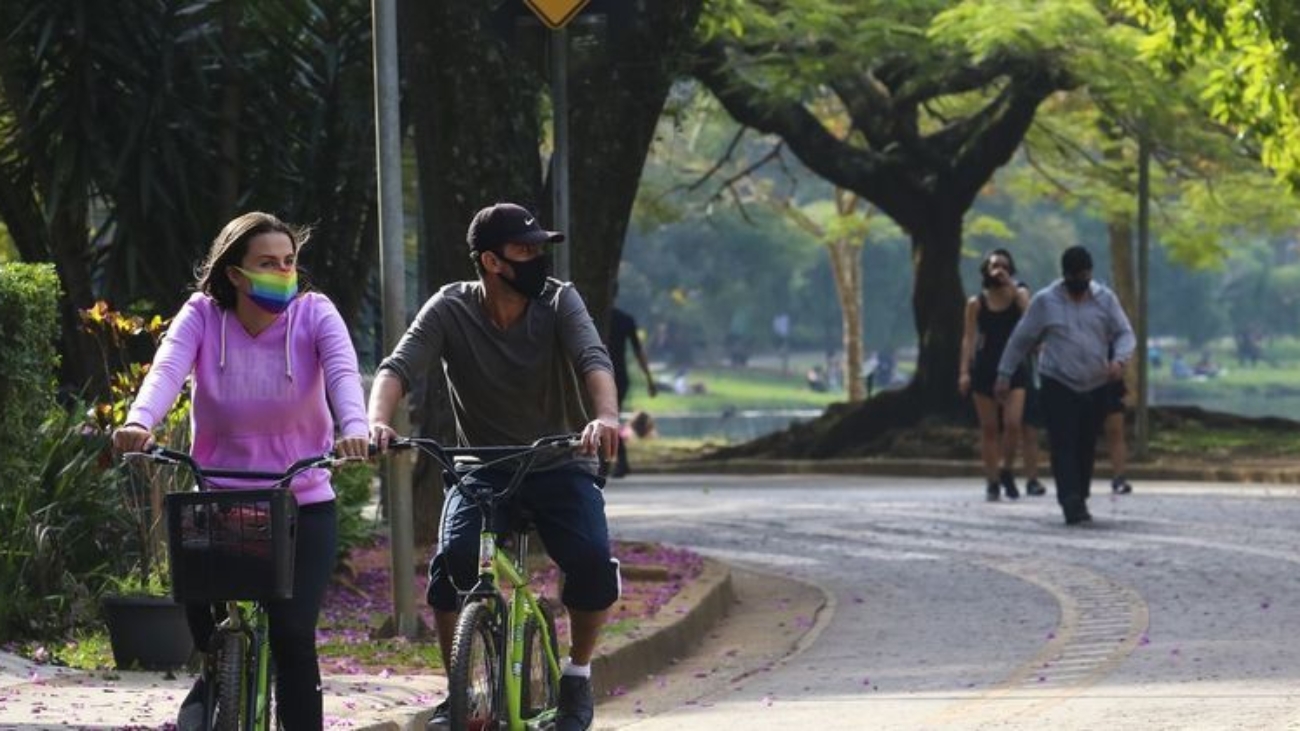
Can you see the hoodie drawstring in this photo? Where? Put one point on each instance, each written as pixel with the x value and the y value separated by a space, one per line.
pixel 288 342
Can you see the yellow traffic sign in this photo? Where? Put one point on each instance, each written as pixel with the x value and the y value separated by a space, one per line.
pixel 556 13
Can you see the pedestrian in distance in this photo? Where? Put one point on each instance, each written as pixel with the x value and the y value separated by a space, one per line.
pixel 1030 428
pixel 274 377
pixel 623 334
pixel 1116 447
pixel 991 315
pixel 1086 341
pixel 513 346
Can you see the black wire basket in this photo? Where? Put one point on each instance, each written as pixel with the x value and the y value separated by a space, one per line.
pixel 231 544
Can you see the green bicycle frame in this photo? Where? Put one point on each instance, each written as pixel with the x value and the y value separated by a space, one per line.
pixel 519 608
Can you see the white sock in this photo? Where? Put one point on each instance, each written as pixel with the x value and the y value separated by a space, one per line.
pixel 581 671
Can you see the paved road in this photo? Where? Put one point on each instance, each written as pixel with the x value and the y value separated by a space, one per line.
pixel 1179 608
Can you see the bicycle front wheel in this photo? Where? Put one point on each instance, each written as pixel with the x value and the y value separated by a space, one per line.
pixel 230 681
pixel 541 690
pixel 474 680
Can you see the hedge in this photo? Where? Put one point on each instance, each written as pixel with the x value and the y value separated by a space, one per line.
pixel 29 328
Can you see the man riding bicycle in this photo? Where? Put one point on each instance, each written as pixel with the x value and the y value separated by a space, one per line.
pixel 512 346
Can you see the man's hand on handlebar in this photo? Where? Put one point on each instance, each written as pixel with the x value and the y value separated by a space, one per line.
pixel 381 435
pixel 600 436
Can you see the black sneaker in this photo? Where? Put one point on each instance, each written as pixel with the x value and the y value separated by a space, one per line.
pixel 1078 517
pixel 441 718
pixel 194 710
pixel 1034 488
pixel 992 491
pixel 1009 484
pixel 1120 486
pixel 576 707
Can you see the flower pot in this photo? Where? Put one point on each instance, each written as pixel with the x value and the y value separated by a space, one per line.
pixel 147 632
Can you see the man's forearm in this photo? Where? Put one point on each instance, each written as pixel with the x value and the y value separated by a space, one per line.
pixel 603 394
pixel 385 392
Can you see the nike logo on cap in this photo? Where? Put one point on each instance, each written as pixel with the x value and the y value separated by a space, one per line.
pixel 529 221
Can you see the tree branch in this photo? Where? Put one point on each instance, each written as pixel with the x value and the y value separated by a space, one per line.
pixel 882 179
pixel 731 148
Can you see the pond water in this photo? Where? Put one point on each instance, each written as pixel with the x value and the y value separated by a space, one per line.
pixel 731 426
pixel 1245 403
pixel 744 425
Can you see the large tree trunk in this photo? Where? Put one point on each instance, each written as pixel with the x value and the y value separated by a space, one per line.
pixel 937 300
pixel 619 80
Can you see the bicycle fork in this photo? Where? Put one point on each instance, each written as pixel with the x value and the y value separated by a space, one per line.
pixel 254 696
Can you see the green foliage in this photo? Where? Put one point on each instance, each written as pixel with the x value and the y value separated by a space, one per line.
pixel 983 225
pixel 120 337
pixel 28 328
pixel 1244 58
pixel 353 489
pixel 89 649
pixel 992 28
pixel 172 116
pixel 63 531
pixel 7 251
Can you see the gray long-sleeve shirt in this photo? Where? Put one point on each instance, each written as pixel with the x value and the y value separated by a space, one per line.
pixel 507 386
pixel 1077 336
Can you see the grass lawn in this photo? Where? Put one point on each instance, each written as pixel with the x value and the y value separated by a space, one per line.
pixel 732 388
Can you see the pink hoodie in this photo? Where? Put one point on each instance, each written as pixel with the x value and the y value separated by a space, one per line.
pixel 259 402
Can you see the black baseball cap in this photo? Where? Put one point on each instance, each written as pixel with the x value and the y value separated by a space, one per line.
pixel 501 223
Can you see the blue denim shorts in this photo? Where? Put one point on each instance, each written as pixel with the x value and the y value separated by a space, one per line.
pixel 567 508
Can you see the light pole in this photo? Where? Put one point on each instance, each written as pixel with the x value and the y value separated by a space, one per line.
pixel 392 258
pixel 1141 425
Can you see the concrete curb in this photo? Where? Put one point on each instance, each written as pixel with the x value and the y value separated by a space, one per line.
pixel 1273 473
pixel 625 661
pixel 673 632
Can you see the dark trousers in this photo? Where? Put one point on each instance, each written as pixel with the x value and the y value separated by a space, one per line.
pixel 1073 422
pixel 568 511
pixel 293 621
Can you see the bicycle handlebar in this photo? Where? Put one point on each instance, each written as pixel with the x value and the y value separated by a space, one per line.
pixel 492 456
pixel 163 455
pixel 495 453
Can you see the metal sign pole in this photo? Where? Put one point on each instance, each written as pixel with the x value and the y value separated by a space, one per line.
pixel 560 155
pixel 388 158
pixel 1141 426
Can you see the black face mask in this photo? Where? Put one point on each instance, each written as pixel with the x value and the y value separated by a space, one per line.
pixel 530 275
pixel 1077 286
pixel 991 282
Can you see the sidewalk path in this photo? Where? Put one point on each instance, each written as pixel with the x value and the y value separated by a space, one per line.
pixel 43 697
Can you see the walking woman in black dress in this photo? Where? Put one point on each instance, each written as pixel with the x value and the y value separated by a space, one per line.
pixel 990 317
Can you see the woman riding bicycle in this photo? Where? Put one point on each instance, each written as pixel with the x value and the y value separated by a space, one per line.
pixel 267 364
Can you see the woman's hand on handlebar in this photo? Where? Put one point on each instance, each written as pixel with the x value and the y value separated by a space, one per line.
pixel 353 447
pixel 131 438
pixel 600 436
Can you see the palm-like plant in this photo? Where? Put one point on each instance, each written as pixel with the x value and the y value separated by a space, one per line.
pixel 170 116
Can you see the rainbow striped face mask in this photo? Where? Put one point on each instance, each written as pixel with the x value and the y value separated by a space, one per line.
pixel 272 291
